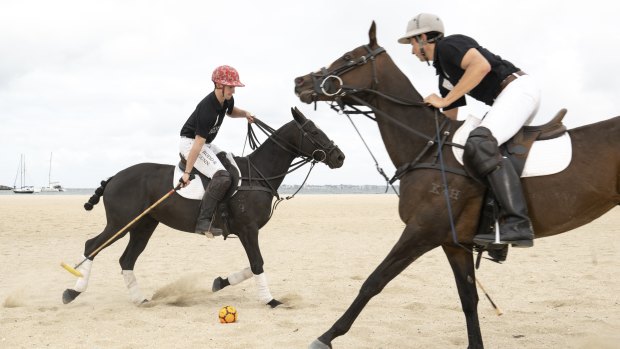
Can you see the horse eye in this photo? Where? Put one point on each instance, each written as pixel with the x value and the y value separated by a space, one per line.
pixel 347 57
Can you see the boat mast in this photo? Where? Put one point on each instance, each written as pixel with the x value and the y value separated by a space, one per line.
pixel 49 177
pixel 19 171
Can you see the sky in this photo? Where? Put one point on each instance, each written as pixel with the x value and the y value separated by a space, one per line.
pixel 103 85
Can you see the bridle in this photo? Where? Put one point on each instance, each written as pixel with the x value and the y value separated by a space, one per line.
pixel 319 154
pixel 322 81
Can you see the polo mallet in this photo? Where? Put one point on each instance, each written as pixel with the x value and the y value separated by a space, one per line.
pixel 498 311
pixel 74 271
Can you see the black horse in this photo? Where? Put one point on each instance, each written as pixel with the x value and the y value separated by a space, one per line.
pixel 367 76
pixel 133 190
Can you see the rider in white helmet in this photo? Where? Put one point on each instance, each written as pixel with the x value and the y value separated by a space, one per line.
pixel 466 68
pixel 197 148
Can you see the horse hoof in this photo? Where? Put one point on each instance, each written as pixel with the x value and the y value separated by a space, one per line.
pixel 219 283
pixel 274 303
pixel 317 344
pixel 69 295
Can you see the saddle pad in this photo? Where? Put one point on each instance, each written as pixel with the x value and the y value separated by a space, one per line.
pixel 195 190
pixel 545 158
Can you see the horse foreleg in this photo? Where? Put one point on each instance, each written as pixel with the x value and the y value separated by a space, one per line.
pixel 249 240
pixel 462 264
pixel 232 279
pixel 409 247
pixel 264 295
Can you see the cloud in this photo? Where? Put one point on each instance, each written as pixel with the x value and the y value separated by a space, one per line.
pixel 104 85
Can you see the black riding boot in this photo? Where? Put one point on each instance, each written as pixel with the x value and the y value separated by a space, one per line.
pixel 204 223
pixel 216 190
pixel 515 226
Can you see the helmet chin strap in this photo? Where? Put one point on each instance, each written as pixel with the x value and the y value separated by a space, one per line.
pixel 222 89
pixel 422 52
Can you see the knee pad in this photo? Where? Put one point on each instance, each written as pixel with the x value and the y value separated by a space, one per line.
pixel 481 155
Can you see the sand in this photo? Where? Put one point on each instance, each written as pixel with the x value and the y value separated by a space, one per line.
pixel 318 250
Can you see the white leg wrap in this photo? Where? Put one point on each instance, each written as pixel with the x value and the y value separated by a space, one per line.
pixel 240 276
pixel 263 289
pixel 132 285
pixel 82 283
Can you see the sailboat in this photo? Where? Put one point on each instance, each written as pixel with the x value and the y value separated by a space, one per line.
pixel 53 186
pixel 21 173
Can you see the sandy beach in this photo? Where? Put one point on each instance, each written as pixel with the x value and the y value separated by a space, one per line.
pixel 318 250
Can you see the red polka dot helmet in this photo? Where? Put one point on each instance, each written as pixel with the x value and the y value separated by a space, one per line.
pixel 226 75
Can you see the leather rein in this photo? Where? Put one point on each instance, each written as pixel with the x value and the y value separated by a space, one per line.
pixel 318 155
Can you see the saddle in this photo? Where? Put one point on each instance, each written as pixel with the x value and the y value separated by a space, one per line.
pixel 518 147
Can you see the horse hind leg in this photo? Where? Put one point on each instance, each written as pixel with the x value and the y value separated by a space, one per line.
pixel 138 239
pixel 81 284
pixel 411 245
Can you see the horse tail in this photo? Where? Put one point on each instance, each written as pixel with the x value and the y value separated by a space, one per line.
pixel 94 200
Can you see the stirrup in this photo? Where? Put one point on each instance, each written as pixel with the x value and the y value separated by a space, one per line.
pixel 211 231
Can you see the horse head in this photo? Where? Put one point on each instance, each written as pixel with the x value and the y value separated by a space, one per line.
pixel 367 76
pixel 352 73
pixel 311 142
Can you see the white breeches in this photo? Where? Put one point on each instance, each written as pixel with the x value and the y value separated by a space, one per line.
pixel 514 107
pixel 207 162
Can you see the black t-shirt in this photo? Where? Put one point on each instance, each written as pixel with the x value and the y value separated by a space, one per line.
pixel 449 53
pixel 206 120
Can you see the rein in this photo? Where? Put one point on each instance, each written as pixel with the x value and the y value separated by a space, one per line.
pixel 272 134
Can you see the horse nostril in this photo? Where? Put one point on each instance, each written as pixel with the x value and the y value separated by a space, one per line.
pixel 299 81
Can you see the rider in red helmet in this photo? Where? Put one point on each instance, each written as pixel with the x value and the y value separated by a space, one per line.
pixel 197 135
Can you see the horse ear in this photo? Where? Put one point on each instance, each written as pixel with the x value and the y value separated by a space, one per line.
pixel 372 34
pixel 297 115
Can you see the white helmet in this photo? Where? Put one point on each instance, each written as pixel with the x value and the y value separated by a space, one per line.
pixel 421 24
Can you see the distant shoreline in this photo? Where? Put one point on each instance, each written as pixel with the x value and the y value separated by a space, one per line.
pixel 283 190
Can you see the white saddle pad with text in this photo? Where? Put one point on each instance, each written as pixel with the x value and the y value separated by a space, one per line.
pixel 195 190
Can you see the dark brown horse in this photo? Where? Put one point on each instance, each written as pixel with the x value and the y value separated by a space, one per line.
pixel 131 191
pixel 367 76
